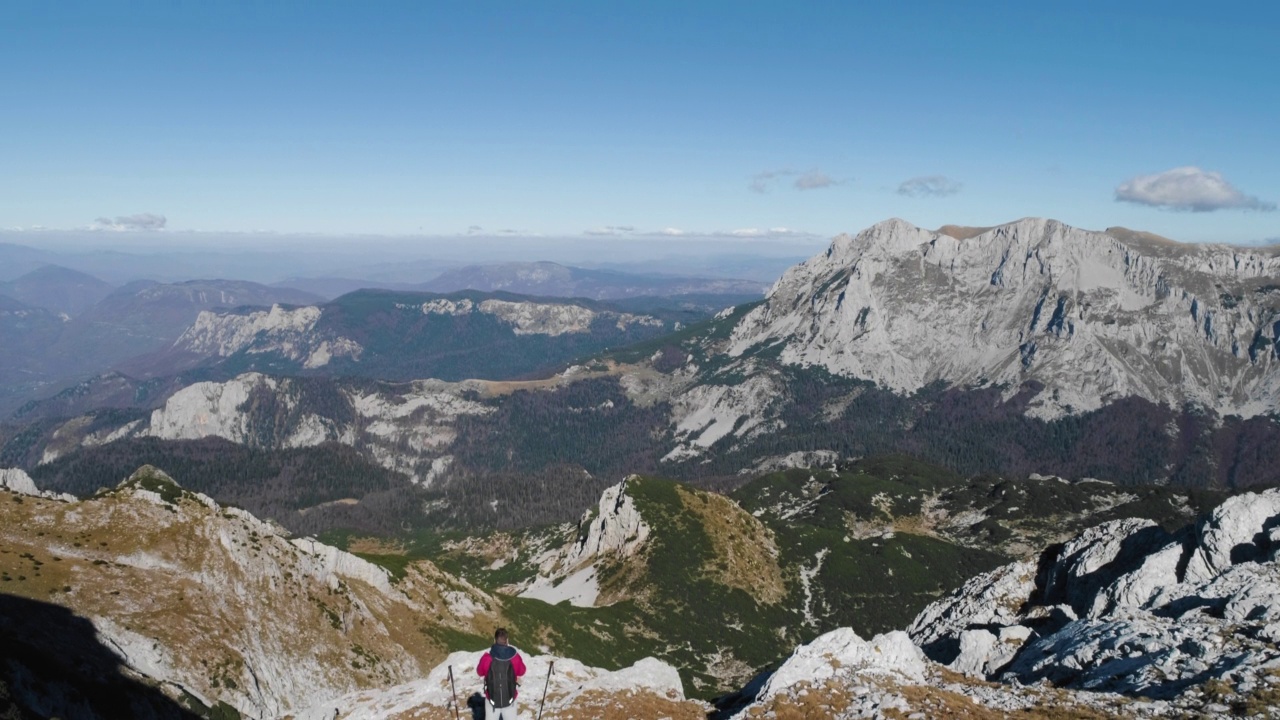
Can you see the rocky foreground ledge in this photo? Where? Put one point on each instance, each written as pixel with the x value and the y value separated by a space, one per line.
pixel 648 689
pixel 1123 620
pixel 210 607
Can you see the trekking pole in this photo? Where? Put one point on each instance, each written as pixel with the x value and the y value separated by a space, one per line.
pixel 453 693
pixel 544 688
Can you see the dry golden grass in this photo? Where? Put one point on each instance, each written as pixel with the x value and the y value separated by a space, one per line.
pixel 376 546
pixel 944 704
pixel 806 703
pixel 746 555
pixel 596 705
pixel 204 584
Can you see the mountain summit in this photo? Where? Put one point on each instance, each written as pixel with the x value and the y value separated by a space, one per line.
pixel 1092 317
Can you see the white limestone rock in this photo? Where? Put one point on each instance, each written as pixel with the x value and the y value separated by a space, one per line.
pixel 208 409
pixel 983 653
pixel 527 318
pixel 1156 574
pixel 564 684
pixel 841 650
pixel 1098 556
pixel 706 414
pixel 407 427
pixel 1237 530
pixel 613 532
pixel 1094 316
pixel 993 598
pixel 16 480
pixel 289 333
pixel 843 656
pixel 1148 627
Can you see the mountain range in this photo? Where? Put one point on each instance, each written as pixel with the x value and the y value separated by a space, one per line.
pixel 1093 317
pixel 1029 372
pixel 61 290
pixel 554 280
pixel 926 473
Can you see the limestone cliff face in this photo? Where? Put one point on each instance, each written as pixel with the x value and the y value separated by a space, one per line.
pixel 214 602
pixel 288 333
pixel 406 427
pixel 293 334
pixel 1093 316
pixel 611 533
pixel 18 482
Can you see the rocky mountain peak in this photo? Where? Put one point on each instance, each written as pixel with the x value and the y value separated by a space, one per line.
pixel 1093 317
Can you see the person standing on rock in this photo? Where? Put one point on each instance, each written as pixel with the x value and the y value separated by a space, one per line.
pixel 500 667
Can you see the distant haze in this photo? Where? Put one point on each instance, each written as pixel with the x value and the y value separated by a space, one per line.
pixel 118 257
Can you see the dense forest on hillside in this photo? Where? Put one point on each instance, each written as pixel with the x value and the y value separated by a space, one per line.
pixel 307 490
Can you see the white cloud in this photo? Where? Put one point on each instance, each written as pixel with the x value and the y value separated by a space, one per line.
pixel 611 230
pixel 763 182
pixel 674 232
pixel 141 221
pixel 815 180
pixel 812 180
pixel 929 186
pixel 760 232
pixel 1188 189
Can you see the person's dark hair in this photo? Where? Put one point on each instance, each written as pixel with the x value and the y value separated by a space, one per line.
pixel 500 635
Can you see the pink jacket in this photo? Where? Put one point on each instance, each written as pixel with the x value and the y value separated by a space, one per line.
pixel 505 652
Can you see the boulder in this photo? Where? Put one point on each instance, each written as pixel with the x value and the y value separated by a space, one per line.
pixel 841 652
pixel 993 598
pixel 1099 556
pixel 1238 530
pixel 18 481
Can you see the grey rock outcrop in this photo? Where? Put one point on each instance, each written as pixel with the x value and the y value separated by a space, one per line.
pixel 613 531
pixel 16 480
pixel 1093 316
pixel 1126 607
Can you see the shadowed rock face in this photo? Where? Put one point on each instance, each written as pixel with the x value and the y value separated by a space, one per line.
pixel 53 665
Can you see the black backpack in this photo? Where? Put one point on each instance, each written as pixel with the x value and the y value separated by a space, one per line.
pixel 500 683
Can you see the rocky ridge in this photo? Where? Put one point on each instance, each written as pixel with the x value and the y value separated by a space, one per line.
pixel 614 532
pixel 210 602
pixel 406 427
pixel 287 332
pixel 1093 317
pixel 292 333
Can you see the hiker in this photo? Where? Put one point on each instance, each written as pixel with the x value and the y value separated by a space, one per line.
pixel 500 667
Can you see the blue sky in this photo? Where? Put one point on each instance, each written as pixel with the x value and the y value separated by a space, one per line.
pixel 559 118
